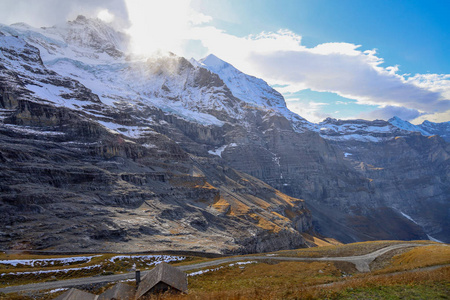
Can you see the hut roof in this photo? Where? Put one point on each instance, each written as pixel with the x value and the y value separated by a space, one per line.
pixel 119 291
pixel 75 294
pixel 163 272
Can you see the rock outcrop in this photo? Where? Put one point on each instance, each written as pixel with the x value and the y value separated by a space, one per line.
pixel 102 150
pixel 78 174
pixel 67 183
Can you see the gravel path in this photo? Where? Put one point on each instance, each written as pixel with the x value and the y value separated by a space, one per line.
pixel 361 262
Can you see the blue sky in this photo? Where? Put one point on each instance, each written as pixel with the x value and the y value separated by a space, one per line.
pixel 412 35
pixel 329 58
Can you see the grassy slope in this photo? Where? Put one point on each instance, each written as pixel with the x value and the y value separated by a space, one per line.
pixel 99 265
pixel 344 250
pixel 329 280
pixel 303 280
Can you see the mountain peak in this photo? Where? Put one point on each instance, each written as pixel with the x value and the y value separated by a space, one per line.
pixel 395 118
pixel 81 18
pixel 403 124
pixel 213 61
pixel 250 89
pixel 427 128
pixel 94 33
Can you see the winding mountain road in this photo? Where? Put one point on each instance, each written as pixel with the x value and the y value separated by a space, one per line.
pixel 361 262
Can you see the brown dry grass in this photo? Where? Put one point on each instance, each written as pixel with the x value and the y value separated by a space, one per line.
pixel 324 280
pixel 320 241
pixel 294 289
pixel 344 250
pixel 418 257
pixel 301 280
pixel 100 265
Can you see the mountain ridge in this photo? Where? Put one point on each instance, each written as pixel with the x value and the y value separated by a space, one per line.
pixel 427 128
pixel 169 141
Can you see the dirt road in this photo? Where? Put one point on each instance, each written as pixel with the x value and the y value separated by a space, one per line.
pixel 361 262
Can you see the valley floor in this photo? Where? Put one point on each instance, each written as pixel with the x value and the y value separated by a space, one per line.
pixel 398 270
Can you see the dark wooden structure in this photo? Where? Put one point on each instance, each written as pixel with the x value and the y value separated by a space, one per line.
pixel 120 291
pixel 163 278
pixel 75 294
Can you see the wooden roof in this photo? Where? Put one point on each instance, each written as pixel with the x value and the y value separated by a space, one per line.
pixel 75 294
pixel 119 291
pixel 165 273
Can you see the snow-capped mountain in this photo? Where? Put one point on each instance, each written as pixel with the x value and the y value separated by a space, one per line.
pixel 86 40
pixel 92 53
pixel 427 128
pixel 100 133
pixel 377 130
pixel 250 89
pixel 184 145
pixel 254 91
pixel 89 51
pixel 359 130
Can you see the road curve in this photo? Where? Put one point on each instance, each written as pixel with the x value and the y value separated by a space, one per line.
pixel 361 262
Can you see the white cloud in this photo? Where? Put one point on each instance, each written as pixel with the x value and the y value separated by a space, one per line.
pixel 352 76
pixel 309 110
pixel 106 16
pixel 162 25
pixel 439 83
pixel 277 57
pixel 434 82
pixel 387 112
pixel 436 117
pixel 51 12
pixel 336 48
pixel 280 58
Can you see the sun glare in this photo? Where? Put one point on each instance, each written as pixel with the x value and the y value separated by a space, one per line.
pixel 159 25
pixel 106 16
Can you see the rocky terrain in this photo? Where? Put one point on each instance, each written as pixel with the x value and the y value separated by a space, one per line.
pixel 427 128
pixel 361 179
pixel 103 150
pixel 78 174
pixel 407 178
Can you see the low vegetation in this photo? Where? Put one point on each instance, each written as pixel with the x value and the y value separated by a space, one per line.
pixel 418 257
pixel 289 284
pixel 413 273
pixel 331 280
pixel 344 250
pixel 17 269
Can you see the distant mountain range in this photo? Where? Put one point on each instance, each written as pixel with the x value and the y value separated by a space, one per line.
pixel 104 150
pixel 427 128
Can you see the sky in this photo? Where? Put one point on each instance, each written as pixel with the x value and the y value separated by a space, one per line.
pixel 343 59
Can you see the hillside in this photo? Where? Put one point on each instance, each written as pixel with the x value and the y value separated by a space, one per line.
pixel 397 270
pixel 108 151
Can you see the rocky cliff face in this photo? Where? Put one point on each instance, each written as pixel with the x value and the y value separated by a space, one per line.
pixel 77 173
pixel 69 184
pixel 357 189
pixel 407 173
pixel 362 179
pixel 107 151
